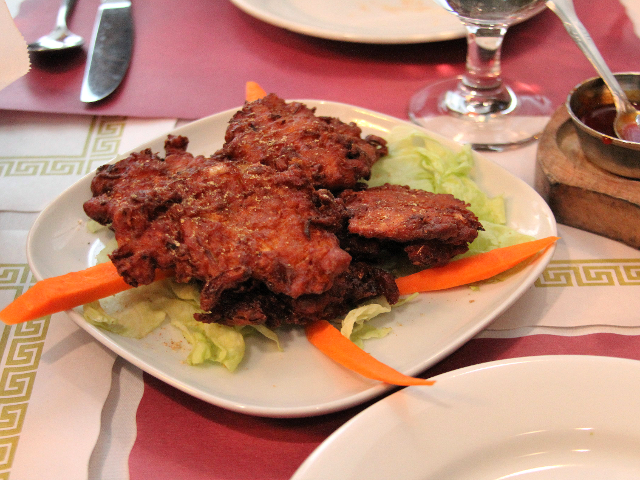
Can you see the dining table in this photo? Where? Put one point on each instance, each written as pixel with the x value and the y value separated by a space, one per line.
pixel 72 408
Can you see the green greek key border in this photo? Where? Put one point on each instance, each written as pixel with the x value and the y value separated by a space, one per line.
pixel 102 142
pixel 21 348
pixel 591 273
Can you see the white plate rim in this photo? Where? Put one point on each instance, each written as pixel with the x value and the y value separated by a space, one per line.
pixel 370 390
pixel 482 386
pixel 258 10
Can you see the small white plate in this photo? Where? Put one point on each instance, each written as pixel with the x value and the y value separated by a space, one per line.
pixel 535 418
pixel 300 381
pixel 360 21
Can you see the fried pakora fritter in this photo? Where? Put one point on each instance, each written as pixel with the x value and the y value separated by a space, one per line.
pixel 279 134
pixel 219 222
pixel 431 228
pixel 252 303
pixel 257 224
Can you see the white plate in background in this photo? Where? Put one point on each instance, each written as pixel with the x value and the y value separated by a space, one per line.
pixel 534 418
pixel 360 21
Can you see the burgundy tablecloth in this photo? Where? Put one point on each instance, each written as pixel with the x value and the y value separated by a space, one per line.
pixel 180 437
pixel 192 59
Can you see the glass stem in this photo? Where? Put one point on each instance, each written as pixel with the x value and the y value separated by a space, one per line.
pixel 481 91
pixel 484 46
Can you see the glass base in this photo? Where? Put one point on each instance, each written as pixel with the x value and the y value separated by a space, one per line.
pixel 517 120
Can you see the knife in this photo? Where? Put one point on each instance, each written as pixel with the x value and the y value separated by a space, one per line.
pixel 110 50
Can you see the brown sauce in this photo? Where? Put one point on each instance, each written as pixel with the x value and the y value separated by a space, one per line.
pixel 601 119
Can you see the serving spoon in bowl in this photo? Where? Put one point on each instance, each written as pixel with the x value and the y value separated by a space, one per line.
pixel 60 37
pixel 627 122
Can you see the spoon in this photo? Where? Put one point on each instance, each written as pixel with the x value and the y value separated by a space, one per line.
pixel 627 121
pixel 60 38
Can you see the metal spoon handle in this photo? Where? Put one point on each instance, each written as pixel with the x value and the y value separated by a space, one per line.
pixel 565 10
pixel 63 13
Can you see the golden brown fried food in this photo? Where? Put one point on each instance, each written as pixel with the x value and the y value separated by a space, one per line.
pixel 252 303
pixel 431 228
pixel 257 225
pixel 219 222
pixel 279 134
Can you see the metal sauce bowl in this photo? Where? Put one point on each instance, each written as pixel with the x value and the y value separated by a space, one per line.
pixel 607 152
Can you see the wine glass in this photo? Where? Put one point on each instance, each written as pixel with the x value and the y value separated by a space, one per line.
pixel 482 109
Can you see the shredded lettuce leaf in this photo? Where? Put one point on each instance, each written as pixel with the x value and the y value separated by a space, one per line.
pixel 133 313
pixel 419 161
pixel 137 312
pixel 95 227
pixel 495 236
pixel 211 341
pixel 264 331
pixel 103 255
pixel 355 328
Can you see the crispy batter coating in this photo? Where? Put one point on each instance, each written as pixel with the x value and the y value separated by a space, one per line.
pixel 219 222
pixel 256 224
pixel 431 228
pixel 279 134
pixel 252 303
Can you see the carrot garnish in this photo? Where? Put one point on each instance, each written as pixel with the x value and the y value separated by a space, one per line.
pixel 336 346
pixel 57 294
pixel 253 91
pixel 339 348
pixel 472 269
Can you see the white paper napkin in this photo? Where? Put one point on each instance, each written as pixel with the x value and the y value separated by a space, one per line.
pixel 633 11
pixel 14 57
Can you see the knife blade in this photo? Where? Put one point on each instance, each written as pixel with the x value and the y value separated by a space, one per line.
pixel 109 51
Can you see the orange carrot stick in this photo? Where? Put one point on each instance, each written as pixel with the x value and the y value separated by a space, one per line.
pixel 253 91
pixel 336 346
pixel 472 269
pixel 57 294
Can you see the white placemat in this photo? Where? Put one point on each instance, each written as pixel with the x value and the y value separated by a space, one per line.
pixel 591 285
pixel 56 378
pixel 44 154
